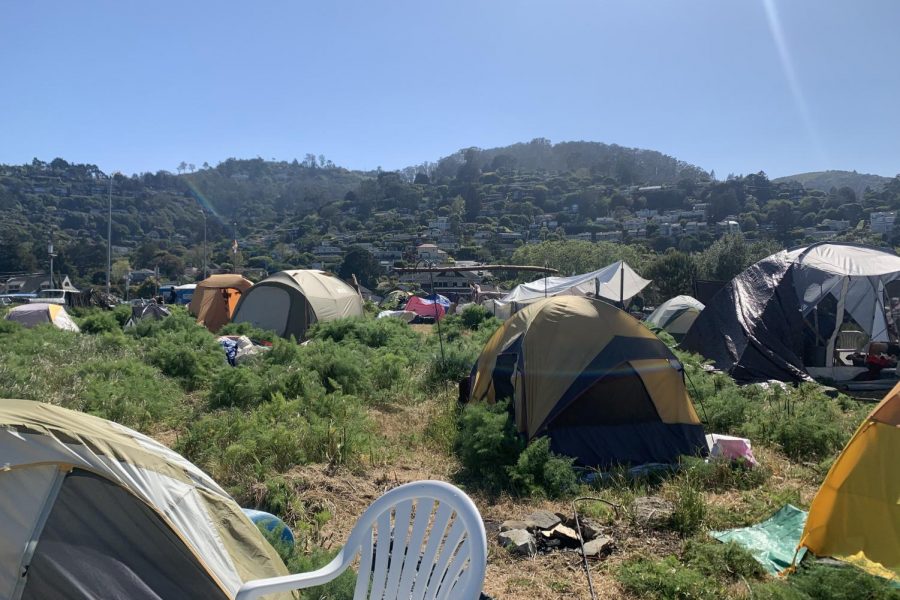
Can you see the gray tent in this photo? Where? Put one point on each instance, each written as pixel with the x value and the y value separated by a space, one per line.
pixel 289 302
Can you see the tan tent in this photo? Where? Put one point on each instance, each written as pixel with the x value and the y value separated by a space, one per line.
pixel 596 381
pixel 288 302
pixel 40 313
pixel 91 509
pixel 215 299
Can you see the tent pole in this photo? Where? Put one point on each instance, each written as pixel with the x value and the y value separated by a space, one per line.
pixel 622 285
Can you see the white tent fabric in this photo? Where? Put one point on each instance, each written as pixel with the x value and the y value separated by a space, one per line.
pixel 38 313
pixel 605 283
pixel 856 276
pixel 676 315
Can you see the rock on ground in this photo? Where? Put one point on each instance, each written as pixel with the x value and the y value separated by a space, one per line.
pixel 598 546
pixel 652 511
pixel 513 524
pixel 519 540
pixel 541 519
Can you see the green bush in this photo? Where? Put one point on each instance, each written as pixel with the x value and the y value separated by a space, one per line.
pixel 690 508
pixel 538 471
pixel 666 579
pixel 487 445
pixel 99 322
pixel 241 447
pixel 474 315
pixel 339 366
pixel 456 364
pixel 841 583
pixel 193 356
pixel 241 386
pixel 125 391
pixel 723 561
pixel 392 334
pixel 721 474
pixel 254 333
pixel 299 561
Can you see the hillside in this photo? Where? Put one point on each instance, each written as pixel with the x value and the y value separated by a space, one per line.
pixel 825 180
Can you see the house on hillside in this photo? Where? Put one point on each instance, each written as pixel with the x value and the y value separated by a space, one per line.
pixel 34 283
pixel 431 253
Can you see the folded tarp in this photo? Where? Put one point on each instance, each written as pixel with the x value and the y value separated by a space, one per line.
pixel 774 541
pixel 604 283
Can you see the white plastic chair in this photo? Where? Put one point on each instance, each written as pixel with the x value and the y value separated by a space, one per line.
pixel 421 541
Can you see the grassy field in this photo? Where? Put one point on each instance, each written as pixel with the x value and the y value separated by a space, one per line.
pixel 315 433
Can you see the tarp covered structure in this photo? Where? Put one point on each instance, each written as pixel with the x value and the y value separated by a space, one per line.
pixel 434 307
pixel 596 381
pixel 90 509
pixel 40 313
pixel 855 515
pixel 216 297
pixel 151 312
pixel 616 282
pixel 288 302
pixel 781 318
pixel 676 315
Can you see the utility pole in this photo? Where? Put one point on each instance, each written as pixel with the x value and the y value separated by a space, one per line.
pixel 234 248
pixel 51 254
pixel 109 237
pixel 203 212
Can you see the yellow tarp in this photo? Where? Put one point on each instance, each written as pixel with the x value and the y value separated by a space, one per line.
pixel 855 515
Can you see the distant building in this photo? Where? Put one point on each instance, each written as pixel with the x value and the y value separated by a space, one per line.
pixel 431 253
pixel 728 226
pixel 882 222
pixel 34 283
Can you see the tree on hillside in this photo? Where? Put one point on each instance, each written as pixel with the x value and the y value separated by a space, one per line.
pixel 571 257
pixel 182 166
pixel 673 274
pixel 360 262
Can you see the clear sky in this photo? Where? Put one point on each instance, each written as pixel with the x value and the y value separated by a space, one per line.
pixel 783 86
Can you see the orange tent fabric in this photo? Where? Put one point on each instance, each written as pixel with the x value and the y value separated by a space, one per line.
pixel 215 299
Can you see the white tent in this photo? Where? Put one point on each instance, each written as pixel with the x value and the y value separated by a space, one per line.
pixel 39 313
pixel 616 282
pixel 676 315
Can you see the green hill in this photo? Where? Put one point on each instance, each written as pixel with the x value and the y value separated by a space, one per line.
pixel 825 180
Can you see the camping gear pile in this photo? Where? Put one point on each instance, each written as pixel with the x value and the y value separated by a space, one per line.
pixel 38 313
pixel 593 379
pixel 238 348
pixel 92 509
pixel 289 302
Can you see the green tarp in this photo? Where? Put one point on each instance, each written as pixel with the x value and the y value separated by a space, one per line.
pixel 772 542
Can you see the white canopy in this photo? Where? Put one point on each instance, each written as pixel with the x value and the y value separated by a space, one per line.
pixel 856 276
pixel 604 283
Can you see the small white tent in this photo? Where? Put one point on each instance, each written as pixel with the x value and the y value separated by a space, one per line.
pixel 39 313
pixel 676 315
pixel 616 282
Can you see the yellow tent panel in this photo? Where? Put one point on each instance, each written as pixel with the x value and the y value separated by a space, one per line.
pixel 855 516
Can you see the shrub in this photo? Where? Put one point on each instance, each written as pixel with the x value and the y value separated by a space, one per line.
pixel 841 583
pixel 100 322
pixel 247 329
pixel 690 508
pixel 666 579
pixel 193 356
pixel 728 561
pixel 241 387
pixel 720 474
pixel 298 561
pixel 487 444
pixel 456 363
pixel 387 370
pixel 125 391
pixel 474 315
pixel 340 367
pixel 538 471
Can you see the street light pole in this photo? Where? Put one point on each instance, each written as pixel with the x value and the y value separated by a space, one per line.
pixel 52 254
pixel 203 212
pixel 109 238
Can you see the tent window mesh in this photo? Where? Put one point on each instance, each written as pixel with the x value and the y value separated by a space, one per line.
pixel 619 398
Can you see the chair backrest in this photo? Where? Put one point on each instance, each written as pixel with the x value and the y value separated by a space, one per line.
pixel 421 541
pixel 851 340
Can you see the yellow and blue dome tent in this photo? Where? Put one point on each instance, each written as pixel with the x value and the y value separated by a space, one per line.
pixel 593 379
pixel 855 515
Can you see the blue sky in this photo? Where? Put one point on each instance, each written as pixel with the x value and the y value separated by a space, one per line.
pixel 137 86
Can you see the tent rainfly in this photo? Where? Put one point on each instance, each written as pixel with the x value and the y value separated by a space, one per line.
pixel 91 509
pixel 596 381
pixel 39 313
pixel 288 302
pixel 791 315
pixel 855 515
pixel 215 299
pixel 676 315
pixel 616 282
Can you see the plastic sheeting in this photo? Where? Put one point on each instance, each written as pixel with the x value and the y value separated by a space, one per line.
pixel 605 283
pixel 774 541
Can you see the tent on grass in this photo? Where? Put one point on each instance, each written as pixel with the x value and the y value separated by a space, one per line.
pixel 91 509
pixel 855 515
pixel 149 312
pixel 216 297
pixel 433 306
pixel 288 302
pixel 616 283
pixel 39 313
pixel 800 314
pixel 596 381
pixel 676 315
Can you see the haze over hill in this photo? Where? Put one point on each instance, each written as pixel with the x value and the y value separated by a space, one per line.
pixel 825 180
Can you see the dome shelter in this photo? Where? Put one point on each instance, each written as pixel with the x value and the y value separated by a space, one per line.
pixel 215 299
pixel 676 315
pixel 92 509
pixel 288 302
pixel 596 381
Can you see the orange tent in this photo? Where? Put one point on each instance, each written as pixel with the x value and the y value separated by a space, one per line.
pixel 216 297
